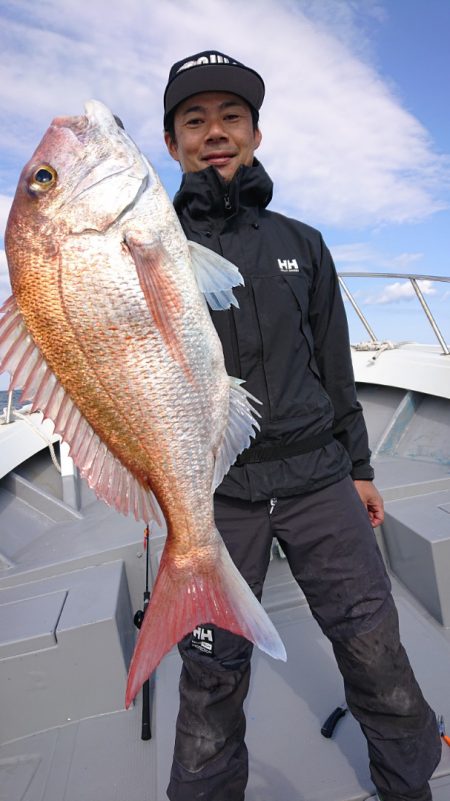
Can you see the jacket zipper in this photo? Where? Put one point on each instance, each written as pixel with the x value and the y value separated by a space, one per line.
pixel 234 344
pixel 262 354
pixel 227 202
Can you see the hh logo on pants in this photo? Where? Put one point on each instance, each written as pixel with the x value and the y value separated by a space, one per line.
pixel 203 640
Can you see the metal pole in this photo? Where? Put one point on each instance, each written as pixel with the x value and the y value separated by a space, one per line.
pixel 413 278
pixel 358 311
pixel 9 407
pixel 431 319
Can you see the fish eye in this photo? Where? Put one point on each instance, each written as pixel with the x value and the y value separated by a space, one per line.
pixel 43 178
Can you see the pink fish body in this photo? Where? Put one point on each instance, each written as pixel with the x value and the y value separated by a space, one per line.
pixel 109 334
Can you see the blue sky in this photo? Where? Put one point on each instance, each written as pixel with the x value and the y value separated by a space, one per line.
pixel 356 128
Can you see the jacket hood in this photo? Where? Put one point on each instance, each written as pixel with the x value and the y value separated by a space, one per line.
pixel 202 194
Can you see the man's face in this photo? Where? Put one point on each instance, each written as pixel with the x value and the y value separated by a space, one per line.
pixel 213 128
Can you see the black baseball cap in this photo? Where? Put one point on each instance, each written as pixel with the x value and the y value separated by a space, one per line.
pixel 211 71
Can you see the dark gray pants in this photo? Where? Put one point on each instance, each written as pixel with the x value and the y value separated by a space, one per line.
pixel 332 552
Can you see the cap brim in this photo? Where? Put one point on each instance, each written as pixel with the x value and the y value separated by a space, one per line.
pixel 239 80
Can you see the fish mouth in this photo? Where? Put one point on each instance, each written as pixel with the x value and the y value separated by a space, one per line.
pixel 98 117
pixel 99 114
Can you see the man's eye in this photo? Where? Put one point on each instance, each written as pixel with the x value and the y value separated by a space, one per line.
pixel 194 122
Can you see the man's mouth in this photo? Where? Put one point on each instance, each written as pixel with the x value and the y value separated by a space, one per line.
pixel 218 159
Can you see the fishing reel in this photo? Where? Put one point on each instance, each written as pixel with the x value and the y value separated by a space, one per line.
pixel 139 615
pixel 138 618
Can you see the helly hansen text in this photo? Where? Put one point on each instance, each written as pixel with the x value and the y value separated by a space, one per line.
pixel 288 265
pixel 203 640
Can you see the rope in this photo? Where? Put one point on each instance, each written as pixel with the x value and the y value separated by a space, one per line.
pixel 377 346
pixel 25 417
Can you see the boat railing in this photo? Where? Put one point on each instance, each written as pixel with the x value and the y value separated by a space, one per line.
pixel 412 278
pixel 414 281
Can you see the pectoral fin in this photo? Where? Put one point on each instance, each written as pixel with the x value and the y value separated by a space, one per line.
pixel 162 297
pixel 215 276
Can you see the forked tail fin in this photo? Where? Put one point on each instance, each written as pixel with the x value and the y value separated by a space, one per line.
pixel 177 606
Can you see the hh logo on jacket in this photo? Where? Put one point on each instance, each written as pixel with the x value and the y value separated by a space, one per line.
pixel 288 265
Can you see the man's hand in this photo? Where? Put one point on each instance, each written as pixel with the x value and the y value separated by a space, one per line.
pixel 372 500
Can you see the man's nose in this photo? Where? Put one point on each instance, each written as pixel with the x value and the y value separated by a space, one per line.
pixel 216 130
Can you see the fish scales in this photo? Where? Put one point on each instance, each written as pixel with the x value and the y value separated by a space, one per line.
pixel 116 344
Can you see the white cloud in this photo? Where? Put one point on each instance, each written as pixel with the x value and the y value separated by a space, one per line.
pixel 5 205
pixel 364 257
pixel 352 26
pixel 5 286
pixel 402 261
pixel 354 254
pixel 400 290
pixel 336 139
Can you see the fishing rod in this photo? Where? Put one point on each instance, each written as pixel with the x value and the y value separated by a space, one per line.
pixel 146 732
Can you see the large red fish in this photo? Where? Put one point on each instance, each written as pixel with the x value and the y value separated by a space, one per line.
pixel 109 335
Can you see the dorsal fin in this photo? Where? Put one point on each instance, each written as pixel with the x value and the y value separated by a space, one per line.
pixel 105 474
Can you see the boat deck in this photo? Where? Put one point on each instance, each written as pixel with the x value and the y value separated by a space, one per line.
pixel 72 574
pixel 102 757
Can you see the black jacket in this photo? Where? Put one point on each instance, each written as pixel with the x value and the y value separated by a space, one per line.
pixel 289 338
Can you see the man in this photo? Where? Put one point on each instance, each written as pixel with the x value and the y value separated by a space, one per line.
pixel 307 478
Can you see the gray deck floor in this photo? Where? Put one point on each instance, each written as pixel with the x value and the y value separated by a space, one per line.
pixel 104 759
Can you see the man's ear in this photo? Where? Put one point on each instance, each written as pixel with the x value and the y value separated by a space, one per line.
pixel 258 138
pixel 171 145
